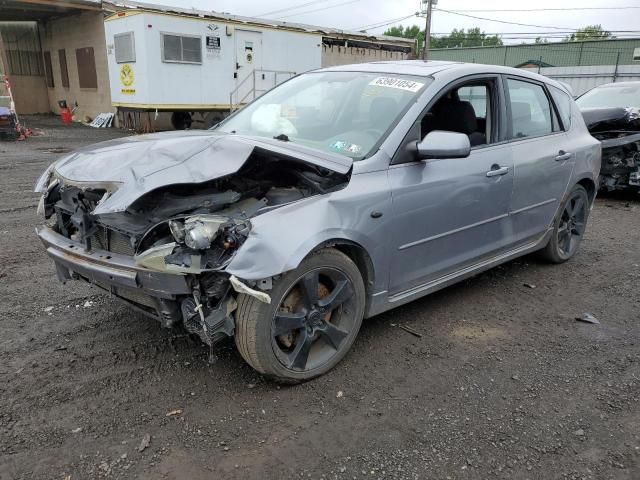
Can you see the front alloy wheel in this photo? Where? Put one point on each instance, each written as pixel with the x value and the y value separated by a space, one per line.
pixel 314 317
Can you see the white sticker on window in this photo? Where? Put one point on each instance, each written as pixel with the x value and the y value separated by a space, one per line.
pixel 399 83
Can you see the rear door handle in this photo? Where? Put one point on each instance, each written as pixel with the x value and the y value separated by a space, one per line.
pixel 562 156
pixel 494 172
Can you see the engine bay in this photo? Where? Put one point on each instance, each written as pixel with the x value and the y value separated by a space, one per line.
pixel 203 223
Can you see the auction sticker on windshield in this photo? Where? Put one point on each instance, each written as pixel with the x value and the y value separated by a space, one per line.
pixel 399 83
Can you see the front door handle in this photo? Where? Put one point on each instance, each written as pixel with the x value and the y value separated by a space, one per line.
pixel 497 170
pixel 562 156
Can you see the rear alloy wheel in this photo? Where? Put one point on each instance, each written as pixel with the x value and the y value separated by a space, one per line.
pixel 569 227
pixel 313 320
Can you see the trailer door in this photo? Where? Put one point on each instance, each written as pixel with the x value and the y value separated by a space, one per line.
pixel 248 59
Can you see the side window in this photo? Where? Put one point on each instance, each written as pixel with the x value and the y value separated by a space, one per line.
pixel 530 109
pixel 563 103
pixel 477 96
pixel 465 109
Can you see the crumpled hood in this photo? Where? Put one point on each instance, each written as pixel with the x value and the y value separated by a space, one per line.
pixel 132 166
pixel 611 118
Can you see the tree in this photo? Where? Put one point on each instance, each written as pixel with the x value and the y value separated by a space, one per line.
pixel 473 37
pixel 413 32
pixel 590 32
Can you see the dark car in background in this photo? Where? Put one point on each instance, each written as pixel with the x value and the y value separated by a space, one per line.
pixel 612 115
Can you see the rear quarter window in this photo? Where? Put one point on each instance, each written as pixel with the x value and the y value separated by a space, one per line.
pixel 563 103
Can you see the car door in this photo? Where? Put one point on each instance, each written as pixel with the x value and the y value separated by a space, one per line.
pixel 449 213
pixel 543 157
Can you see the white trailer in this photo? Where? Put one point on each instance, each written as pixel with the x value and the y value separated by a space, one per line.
pixel 186 61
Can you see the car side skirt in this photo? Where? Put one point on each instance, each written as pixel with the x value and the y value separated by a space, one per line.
pixel 381 303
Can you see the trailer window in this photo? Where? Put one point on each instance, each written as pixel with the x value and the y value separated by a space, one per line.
pixel 181 48
pixel 125 47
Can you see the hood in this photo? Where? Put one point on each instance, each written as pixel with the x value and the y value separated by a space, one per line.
pixel 133 166
pixel 612 118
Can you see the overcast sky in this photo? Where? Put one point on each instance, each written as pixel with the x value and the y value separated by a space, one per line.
pixel 354 14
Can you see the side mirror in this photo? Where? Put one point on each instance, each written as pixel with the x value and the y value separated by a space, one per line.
pixel 441 144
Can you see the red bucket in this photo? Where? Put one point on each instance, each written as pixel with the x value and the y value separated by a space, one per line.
pixel 65 115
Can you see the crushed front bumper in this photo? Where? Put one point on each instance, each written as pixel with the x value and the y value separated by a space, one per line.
pixel 113 272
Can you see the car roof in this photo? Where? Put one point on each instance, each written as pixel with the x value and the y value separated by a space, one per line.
pixel 432 68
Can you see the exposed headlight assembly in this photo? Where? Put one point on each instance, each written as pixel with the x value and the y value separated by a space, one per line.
pixel 177 230
pixel 200 231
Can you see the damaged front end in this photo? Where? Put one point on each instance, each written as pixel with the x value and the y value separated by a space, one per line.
pixel 165 254
pixel 618 130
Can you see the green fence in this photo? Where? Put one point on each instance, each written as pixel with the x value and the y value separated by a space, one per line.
pixel 556 54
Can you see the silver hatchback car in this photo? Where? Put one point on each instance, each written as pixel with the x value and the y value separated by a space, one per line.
pixel 336 196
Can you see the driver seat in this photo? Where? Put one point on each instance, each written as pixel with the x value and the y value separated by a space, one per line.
pixel 458 116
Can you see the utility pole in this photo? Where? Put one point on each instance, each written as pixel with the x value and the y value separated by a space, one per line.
pixel 427 28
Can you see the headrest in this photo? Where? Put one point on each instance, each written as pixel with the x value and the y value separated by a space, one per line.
pixel 456 116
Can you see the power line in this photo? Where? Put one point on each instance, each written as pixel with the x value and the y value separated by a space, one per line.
pixel 617 32
pixel 542 9
pixel 384 23
pixel 315 2
pixel 504 21
pixel 319 9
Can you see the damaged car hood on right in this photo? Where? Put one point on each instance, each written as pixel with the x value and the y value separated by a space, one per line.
pixel 618 130
pixel 133 166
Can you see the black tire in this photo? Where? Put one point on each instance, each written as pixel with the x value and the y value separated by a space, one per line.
pixel 181 120
pixel 568 227
pixel 321 331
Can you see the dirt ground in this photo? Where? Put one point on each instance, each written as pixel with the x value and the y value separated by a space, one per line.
pixel 503 383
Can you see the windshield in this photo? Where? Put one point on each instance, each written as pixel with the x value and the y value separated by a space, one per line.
pixel 348 113
pixel 611 96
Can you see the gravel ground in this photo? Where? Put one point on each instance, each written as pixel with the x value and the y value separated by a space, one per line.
pixel 503 383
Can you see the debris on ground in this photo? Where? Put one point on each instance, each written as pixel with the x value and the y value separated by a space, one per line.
pixel 103 120
pixel 88 304
pixel 529 285
pixel 579 433
pixel 174 412
pixel 145 442
pixel 410 330
pixel 48 309
pixel 76 430
pixel 339 394
pixel 588 318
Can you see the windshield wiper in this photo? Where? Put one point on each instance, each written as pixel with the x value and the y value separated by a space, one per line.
pixel 282 137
